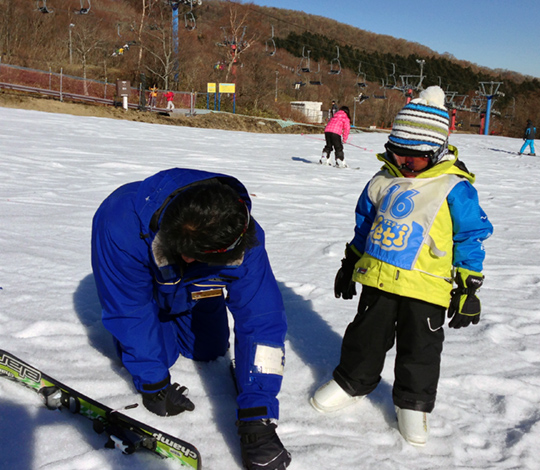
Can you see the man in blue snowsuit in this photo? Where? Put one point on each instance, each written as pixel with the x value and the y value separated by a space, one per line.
pixel 164 250
pixel 529 136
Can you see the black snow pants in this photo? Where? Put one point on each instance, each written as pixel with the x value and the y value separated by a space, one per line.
pixel 417 329
pixel 333 142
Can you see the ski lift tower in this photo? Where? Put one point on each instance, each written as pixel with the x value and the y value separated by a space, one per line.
pixel 174 6
pixel 489 90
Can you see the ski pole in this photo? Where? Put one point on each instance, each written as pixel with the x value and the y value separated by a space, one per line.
pixel 348 143
pixel 358 147
pixel 314 138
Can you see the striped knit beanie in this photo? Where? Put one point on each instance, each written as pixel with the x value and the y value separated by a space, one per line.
pixel 422 125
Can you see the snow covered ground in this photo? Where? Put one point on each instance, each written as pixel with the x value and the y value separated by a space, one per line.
pixel 55 171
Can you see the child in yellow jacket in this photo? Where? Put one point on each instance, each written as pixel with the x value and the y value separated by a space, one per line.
pixel 419 227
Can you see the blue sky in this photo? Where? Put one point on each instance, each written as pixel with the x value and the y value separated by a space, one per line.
pixel 501 34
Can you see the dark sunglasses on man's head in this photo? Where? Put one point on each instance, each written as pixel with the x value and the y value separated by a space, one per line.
pixel 234 244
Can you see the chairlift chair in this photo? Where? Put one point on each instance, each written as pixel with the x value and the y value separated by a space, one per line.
pixel 305 61
pixel 461 104
pixel 240 42
pixel 449 98
pixel 392 85
pixel 84 10
pixel 477 104
pixel 189 21
pixel 408 81
pixel 43 8
pixel 270 45
pixel 335 64
pixel 226 41
pixel 361 78
pixel 319 81
pixel 383 87
pixel 189 18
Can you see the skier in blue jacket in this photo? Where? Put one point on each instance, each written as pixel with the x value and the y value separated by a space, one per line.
pixel 164 250
pixel 528 136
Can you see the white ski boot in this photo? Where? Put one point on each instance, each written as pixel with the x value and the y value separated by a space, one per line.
pixel 341 164
pixel 331 397
pixel 413 426
pixel 325 160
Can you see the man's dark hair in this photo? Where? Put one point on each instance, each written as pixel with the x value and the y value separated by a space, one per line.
pixel 208 221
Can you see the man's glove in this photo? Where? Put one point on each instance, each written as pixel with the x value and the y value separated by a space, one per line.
pixel 261 447
pixel 464 306
pixel 344 286
pixel 170 401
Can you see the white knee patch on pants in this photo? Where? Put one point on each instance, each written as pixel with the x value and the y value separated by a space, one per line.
pixel 269 359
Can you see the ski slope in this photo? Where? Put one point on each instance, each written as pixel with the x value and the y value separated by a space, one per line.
pixel 56 169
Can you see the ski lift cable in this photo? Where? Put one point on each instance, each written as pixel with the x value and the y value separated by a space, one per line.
pixel 379 64
pixel 260 12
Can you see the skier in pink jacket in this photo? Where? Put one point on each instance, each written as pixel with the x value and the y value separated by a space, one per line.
pixel 338 126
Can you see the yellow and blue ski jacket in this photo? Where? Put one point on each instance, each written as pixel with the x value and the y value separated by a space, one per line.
pixel 412 232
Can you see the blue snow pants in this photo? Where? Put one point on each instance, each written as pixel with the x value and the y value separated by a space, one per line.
pixel 528 143
pixel 201 334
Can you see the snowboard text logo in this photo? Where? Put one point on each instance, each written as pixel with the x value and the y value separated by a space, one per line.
pixel 175 445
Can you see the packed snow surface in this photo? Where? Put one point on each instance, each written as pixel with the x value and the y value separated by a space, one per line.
pixel 56 169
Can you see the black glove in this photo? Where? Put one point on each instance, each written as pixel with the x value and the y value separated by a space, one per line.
pixel 261 447
pixel 344 286
pixel 464 306
pixel 170 401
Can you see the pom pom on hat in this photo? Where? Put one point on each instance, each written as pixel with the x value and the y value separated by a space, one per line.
pixel 422 126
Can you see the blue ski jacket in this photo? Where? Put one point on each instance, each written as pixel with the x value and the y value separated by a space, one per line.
pixel 530 132
pixel 138 297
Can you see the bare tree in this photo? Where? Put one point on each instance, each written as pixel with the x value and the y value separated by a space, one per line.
pixel 235 37
pixel 160 47
pixel 16 21
pixel 86 42
pixel 147 6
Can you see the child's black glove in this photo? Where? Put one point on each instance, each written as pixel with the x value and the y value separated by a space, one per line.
pixel 464 306
pixel 261 447
pixel 344 286
pixel 170 401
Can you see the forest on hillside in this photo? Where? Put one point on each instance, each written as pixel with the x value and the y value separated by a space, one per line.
pixel 274 56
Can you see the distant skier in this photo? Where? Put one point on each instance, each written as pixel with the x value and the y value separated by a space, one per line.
pixel 169 96
pixel 153 97
pixel 529 136
pixel 339 126
pixel 418 227
pixel 333 110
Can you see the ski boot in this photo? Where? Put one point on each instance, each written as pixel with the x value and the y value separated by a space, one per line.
pixel 331 397
pixel 413 426
pixel 325 159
